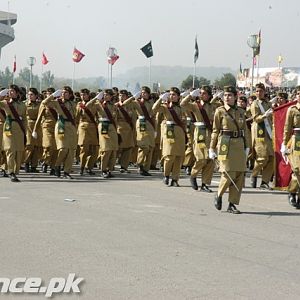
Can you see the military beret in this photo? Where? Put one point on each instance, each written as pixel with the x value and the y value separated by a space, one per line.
pixel 146 89
pixel 123 92
pixel 230 89
pixel 283 95
pixel 175 90
pixel 109 92
pixel 260 85
pixel 243 98
pixel 206 88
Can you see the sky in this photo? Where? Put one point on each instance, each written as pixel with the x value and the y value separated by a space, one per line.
pixel 222 29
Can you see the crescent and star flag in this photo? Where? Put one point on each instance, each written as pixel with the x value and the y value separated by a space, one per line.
pixel 77 55
pixel 148 50
pixel 283 170
pixel 44 59
pixel 196 53
pixel 15 64
pixel 257 49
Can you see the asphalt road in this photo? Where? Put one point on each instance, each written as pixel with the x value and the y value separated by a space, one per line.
pixel 135 238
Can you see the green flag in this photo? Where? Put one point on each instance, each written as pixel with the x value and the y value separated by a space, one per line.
pixel 147 50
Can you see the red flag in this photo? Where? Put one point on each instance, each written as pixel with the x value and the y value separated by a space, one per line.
pixel 254 61
pixel 15 64
pixel 282 170
pixel 113 59
pixel 77 55
pixel 44 59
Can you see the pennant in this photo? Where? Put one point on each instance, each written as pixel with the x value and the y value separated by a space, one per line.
pixel 282 171
pixel 148 50
pixel 44 59
pixel 254 61
pixel 196 52
pixel 15 64
pixel 77 55
pixel 113 59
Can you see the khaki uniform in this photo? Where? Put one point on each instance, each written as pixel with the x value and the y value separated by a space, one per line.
pixel 13 141
pixel 156 154
pixel 262 142
pixel 2 153
pixel 230 142
pixel 66 142
pixel 189 157
pixel 173 139
pixel 33 149
pixel 145 134
pixel 126 131
pixel 201 139
pixel 291 137
pixel 47 119
pixel 108 137
pixel 87 136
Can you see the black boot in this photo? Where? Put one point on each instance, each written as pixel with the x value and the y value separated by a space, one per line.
pixel 52 171
pixel 232 209
pixel 44 168
pixel 292 199
pixel 57 171
pixel 253 182
pixel 26 168
pixel 3 173
pixel 81 171
pixel 166 180
pixel 194 184
pixel 174 183
pixel 34 170
pixel 67 176
pixel 218 202
pixel 205 188
pixel 13 177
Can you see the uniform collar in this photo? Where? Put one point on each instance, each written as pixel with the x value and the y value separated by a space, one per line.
pixel 227 107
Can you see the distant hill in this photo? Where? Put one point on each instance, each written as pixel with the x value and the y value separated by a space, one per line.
pixel 165 75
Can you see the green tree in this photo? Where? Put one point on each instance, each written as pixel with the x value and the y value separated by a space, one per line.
pixel 47 80
pixel 226 79
pixel 188 82
pixel 6 77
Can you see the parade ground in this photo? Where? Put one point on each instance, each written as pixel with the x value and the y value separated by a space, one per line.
pixel 132 237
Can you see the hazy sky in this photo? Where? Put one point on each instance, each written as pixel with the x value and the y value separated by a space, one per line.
pixel 55 26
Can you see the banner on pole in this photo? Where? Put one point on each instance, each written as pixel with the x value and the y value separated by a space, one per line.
pixel 77 55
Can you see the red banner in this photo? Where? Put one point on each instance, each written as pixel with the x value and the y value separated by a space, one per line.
pixel 282 170
pixel 77 55
pixel 111 60
pixel 44 59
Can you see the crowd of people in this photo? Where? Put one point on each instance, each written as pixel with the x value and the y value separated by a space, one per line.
pixel 199 130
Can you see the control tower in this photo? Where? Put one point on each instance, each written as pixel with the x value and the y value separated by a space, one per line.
pixel 6 31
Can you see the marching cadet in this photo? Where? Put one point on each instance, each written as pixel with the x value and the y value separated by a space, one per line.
pixel 173 139
pixel 107 128
pixel 87 133
pixel 261 111
pixel 47 117
pixel 203 111
pixel 14 134
pixel 65 129
pixel 125 128
pixel 145 128
pixel 230 137
pixel 2 152
pixel 33 147
pixel 291 148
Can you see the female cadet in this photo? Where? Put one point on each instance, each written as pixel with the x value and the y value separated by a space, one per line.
pixel 230 137
pixel 14 134
pixel 173 140
pixel 291 147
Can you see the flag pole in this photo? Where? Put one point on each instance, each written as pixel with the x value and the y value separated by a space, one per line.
pixel 73 75
pixel 111 66
pixel 13 79
pixel 194 76
pixel 150 73
pixel 41 78
pixel 257 69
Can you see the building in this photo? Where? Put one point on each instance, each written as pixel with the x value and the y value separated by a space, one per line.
pixel 7 34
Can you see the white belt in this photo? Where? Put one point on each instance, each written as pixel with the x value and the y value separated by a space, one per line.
pixel 142 117
pixel 104 120
pixel 170 123
pixel 296 129
pixel 199 124
pixel 189 119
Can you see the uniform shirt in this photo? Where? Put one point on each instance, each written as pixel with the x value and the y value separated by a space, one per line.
pixel 292 121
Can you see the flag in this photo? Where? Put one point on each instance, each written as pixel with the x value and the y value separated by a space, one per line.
pixel 241 70
pixel 44 59
pixel 280 59
pixel 148 50
pixel 282 170
pixel 113 59
pixel 257 49
pixel 15 64
pixel 254 61
pixel 196 52
pixel 77 55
